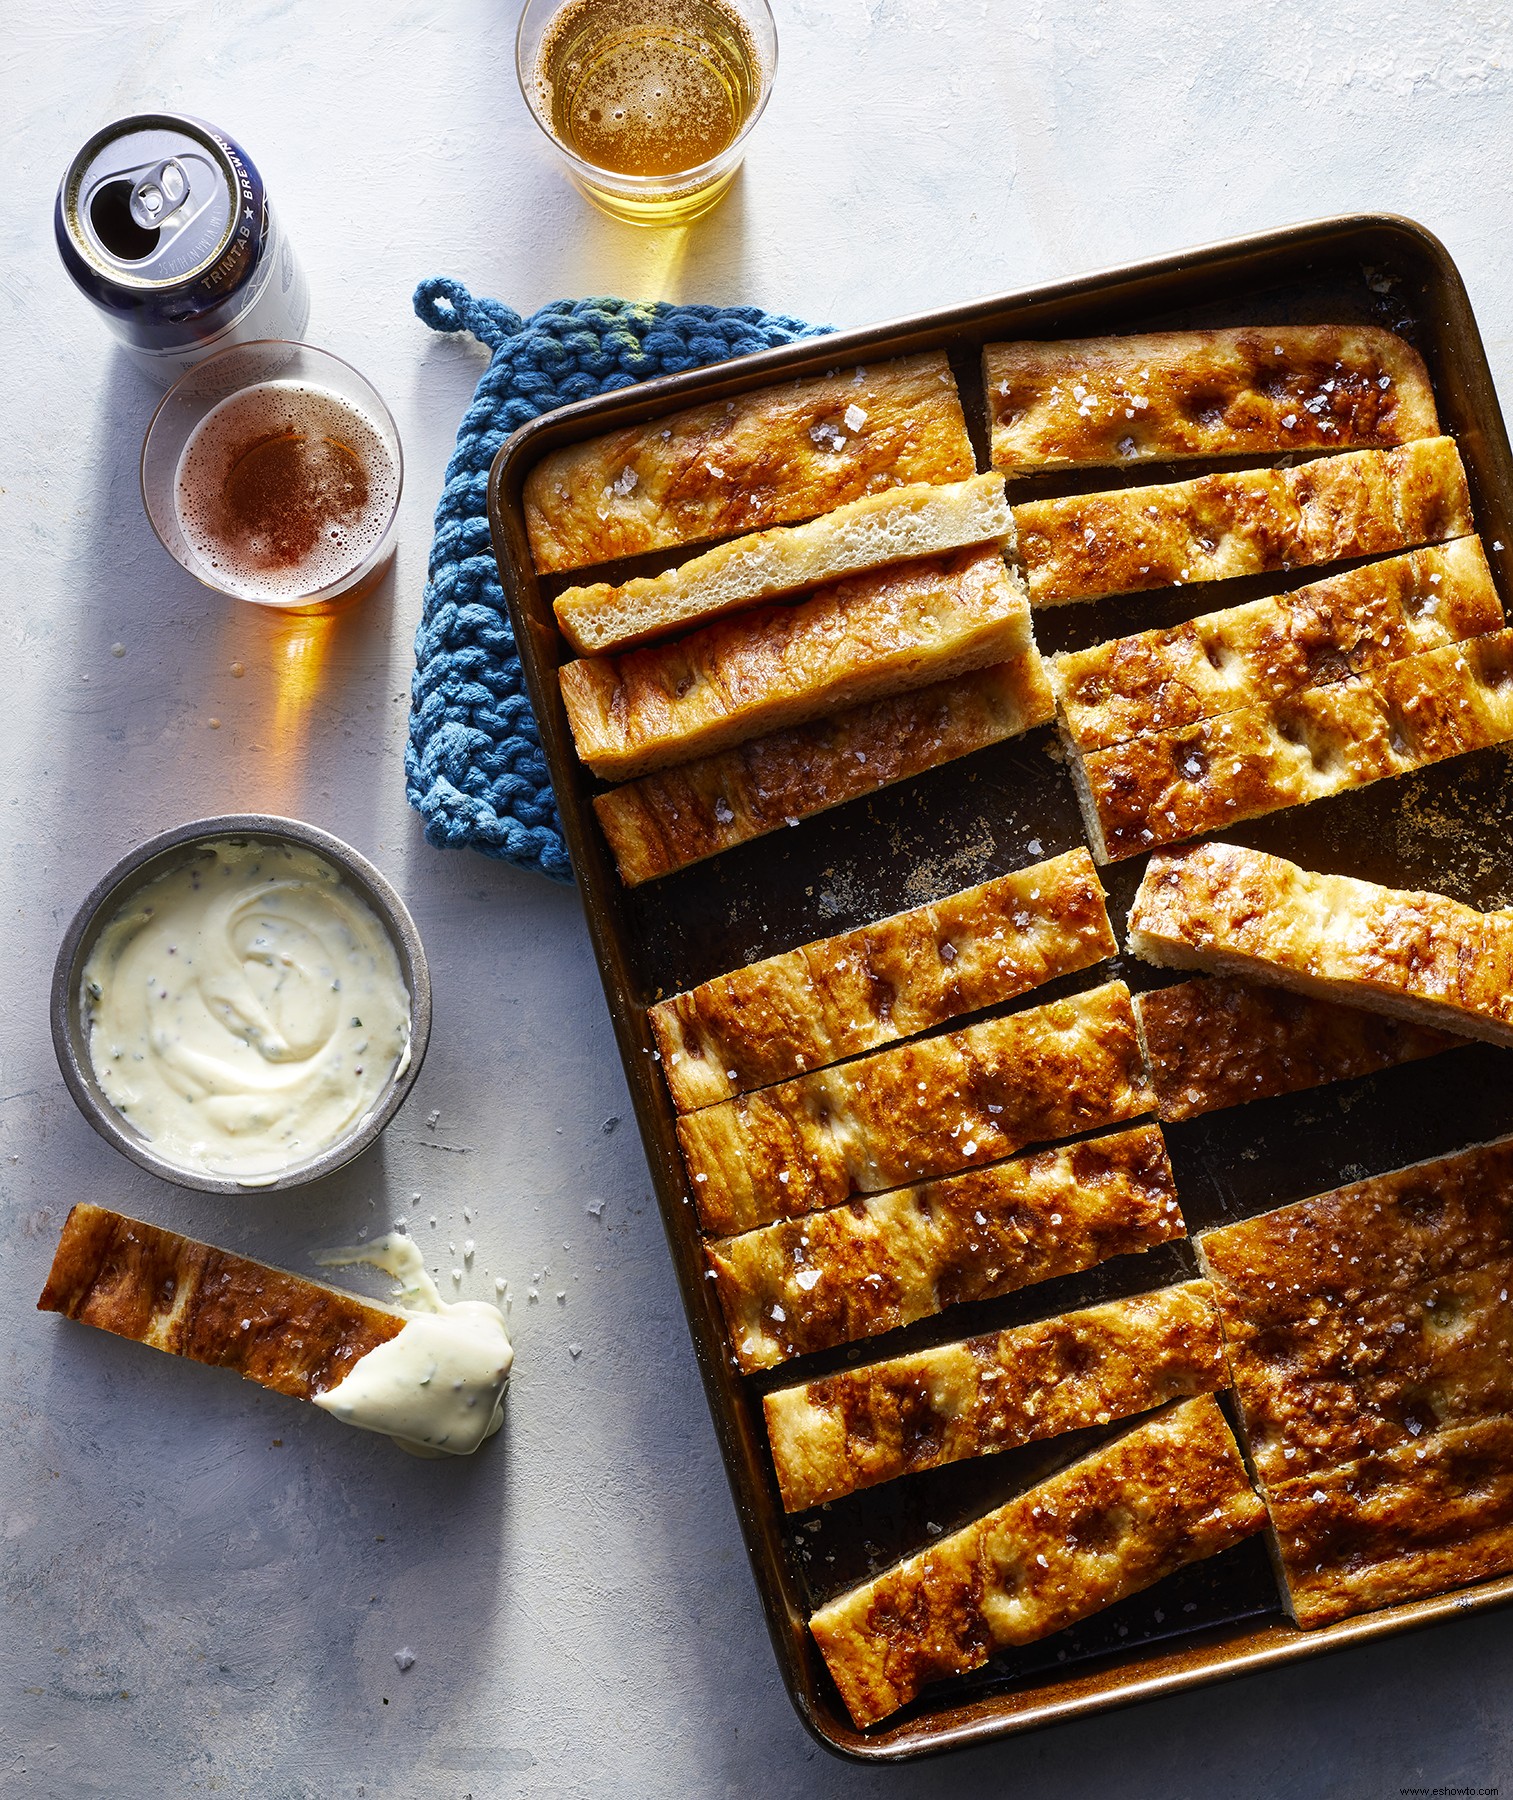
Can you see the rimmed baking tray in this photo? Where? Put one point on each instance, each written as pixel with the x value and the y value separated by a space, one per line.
pixel 1446 828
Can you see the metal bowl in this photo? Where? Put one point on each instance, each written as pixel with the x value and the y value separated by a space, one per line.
pixel 156 857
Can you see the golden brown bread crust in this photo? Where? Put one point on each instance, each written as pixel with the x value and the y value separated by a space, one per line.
pixel 919 1110
pixel 882 1420
pixel 665 822
pixel 765 458
pixel 1350 624
pixel 1417 956
pixel 1167 1493
pixel 772 667
pixel 1369 1335
pixel 298 1337
pixel 1399 1525
pixel 925 519
pixel 835 998
pixel 1335 508
pixel 1170 394
pixel 1406 716
pixel 1213 1043
pixel 808 1284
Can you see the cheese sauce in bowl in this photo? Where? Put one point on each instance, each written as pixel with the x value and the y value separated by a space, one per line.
pixel 241 1008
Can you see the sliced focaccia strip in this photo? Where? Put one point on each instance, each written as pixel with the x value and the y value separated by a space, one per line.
pixel 922 1109
pixel 1169 394
pixel 1169 1492
pixel 882 1420
pixel 773 667
pixel 764 458
pixel 296 1336
pixel 896 526
pixel 1217 1043
pixel 842 995
pixel 1328 740
pixel 1399 1525
pixel 878 1263
pixel 1369 1316
pixel 1370 1338
pixel 1333 509
pixel 1268 650
pixel 1236 911
pixel 666 822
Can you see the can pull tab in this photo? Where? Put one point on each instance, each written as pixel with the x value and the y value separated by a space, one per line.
pixel 159 193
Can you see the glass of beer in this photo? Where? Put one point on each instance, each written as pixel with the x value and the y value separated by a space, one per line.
pixel 272 472
pixel 649 101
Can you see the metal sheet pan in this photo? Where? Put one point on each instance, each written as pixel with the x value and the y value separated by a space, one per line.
pixel 1446 828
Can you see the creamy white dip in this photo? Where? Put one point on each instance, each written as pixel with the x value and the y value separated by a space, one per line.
pixel 246 1010
pixel 438 1387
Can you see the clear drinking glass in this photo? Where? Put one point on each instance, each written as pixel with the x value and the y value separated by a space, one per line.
pixel 272 473
pixel 649 102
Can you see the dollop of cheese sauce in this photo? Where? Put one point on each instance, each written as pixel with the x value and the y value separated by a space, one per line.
pixel 246 1010
pixel 437 1388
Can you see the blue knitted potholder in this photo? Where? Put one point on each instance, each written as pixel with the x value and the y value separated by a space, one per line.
pixel 474 768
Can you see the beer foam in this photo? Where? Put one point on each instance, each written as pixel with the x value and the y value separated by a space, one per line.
pixel 242 563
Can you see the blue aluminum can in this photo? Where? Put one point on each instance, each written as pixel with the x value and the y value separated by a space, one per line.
pixel 164 223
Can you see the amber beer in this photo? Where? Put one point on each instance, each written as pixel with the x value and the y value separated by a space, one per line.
pixel 284 490
pixel 650 99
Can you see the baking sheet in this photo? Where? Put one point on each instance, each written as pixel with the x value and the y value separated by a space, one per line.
pixel 1445 828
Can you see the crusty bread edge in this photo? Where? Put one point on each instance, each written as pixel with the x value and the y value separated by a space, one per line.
pixel 1164 953
pixel 934 517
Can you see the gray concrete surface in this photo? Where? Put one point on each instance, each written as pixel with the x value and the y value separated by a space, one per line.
pixel 204 1586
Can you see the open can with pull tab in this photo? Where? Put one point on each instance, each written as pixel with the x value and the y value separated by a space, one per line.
pixel 164 222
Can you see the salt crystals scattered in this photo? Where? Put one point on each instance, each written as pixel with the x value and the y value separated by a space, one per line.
pixel 575 1351
pixel 625 481
pixel 855 417
pixel 405 1659
pixel 807 1279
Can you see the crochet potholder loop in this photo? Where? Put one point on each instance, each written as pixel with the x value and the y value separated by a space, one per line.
pixel 474 768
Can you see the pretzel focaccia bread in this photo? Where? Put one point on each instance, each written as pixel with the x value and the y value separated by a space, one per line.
pixel 764 458
pixel 1169 394
pixel 1213 1043
pixel 858 1270
pixel 777 666
pixel 1359 503
pixel 665 822
pixel 873 1423
pixel 1326 740
pixel 299 1337
pixel 835 998
pixel 895 526
pixel 1169 1492
pixel 1350 624
pixel 916 1111
pixel 1370 1338
pixel 1241 912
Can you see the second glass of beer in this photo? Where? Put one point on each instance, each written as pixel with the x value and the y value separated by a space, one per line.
pixel 649 101
pixel 272 473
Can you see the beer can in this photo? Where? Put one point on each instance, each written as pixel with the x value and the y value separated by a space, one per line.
pixel 164 223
